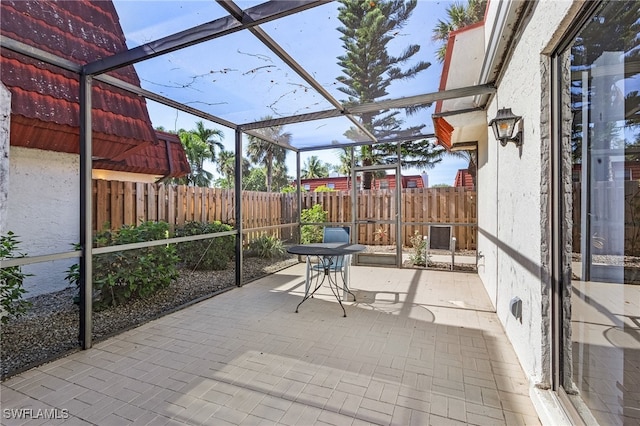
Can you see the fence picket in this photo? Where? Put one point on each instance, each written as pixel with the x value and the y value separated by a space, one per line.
pixel 121 203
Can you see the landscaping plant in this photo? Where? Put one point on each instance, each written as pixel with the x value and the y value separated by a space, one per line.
pixel 267 246
pixel 11 291
pixel 312 233
pixel 209 254
pixel 122 275
pixel 419 257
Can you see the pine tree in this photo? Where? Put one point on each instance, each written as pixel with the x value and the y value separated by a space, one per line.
pixel 369 69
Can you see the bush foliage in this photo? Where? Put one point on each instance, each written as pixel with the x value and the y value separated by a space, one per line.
pixel 11 279
pixel 267 246
pixel 208 254
pixel 419 257
pixel 122 275
pixel 312 233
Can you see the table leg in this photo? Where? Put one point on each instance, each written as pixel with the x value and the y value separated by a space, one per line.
pixel 310 277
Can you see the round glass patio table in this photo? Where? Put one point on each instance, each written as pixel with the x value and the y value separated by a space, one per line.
pixel 330 263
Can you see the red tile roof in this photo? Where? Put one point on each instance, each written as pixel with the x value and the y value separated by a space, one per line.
pixel 44 98
pixel 166 158
pixel 463 179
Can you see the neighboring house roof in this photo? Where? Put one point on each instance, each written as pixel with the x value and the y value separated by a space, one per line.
pixel 165 158
pixel 343 183
pixel 44 98
pixel 463 179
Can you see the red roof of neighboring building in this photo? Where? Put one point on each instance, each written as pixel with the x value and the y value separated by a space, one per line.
pixel 343 183
pixel 44 99
pixel 166 158
pixel 463 179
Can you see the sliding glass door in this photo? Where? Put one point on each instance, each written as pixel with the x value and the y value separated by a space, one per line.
pixel 599 309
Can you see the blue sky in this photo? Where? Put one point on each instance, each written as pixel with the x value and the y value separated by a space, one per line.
pixel 237 78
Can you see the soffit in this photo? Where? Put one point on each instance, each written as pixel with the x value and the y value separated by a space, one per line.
pixel 462 120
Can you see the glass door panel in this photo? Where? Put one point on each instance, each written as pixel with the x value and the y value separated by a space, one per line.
pixel 602 352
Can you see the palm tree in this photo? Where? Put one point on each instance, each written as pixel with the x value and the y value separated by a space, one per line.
pixel 197 152
pixel 266 153
pixel 344 156
pixel 226 166
pixel 199 145
pixel 208 136
pixel 314 168
pixel 459 16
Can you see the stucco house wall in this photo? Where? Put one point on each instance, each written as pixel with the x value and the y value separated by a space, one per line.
pixel 5 124
pixel 512 230
pixel 43 211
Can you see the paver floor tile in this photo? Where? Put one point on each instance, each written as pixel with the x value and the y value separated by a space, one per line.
pixel 406 354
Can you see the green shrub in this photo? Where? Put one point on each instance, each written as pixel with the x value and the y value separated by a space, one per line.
pixel 122 275
pixel 324 188
pixel 419 256
pixel 11 291
pixel 210 254
pixel 267 246
pixel 312 233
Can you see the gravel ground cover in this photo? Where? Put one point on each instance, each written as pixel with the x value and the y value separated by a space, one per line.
pixel 50 328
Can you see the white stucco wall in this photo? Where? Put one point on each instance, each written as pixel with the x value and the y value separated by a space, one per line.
pixel 43 211
pixel 5 126
pixel 509 204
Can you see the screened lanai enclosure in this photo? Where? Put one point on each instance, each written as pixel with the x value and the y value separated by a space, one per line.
pixel 93 83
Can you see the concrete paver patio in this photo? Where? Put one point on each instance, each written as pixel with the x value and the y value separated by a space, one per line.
pixel 418 347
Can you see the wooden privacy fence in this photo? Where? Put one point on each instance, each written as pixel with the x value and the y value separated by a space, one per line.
pixel 119 203
pixel 615 218
pixel 129 203
pixel 419 205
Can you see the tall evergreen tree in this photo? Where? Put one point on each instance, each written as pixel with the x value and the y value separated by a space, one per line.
pixel 368 68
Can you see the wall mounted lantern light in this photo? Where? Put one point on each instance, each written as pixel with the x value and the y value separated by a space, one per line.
pixel 504 126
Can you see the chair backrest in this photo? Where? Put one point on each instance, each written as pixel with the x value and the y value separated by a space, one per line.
pixel 336 234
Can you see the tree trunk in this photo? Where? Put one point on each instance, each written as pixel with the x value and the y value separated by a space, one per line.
pixel 367 177
pixel 269 167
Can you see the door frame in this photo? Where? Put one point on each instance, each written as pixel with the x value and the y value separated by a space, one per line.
pixel 354 207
